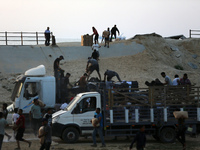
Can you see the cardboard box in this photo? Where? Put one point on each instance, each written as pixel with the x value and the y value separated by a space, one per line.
pixel 86 40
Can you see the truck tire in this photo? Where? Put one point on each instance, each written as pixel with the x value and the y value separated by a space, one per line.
pixel 70 135
pixel 167 135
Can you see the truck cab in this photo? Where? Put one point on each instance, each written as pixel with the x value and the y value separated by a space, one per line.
pixel 33 84
pixel 74 121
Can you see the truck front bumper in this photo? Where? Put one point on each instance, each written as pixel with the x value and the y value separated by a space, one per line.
pixel 57 129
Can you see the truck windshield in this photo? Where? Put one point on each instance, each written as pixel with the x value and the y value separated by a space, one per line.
pixel 72 103
pixel 16 91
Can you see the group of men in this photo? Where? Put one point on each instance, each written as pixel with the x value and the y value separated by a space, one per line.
pixel 107 35
pixel 176 81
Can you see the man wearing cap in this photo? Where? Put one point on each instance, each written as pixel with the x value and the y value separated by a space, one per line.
pixel 92 65
pixel 35 116
pixel 46 134
pixel 56 65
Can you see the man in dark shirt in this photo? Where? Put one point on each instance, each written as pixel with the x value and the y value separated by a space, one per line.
pixel 92 65
pixel 113 32
pixel 47 35
pixel 56 66
pixel 95 55
pixel 21 128
pixel 67 80
pixel 185 80
pixel 140 138
pixel 110 74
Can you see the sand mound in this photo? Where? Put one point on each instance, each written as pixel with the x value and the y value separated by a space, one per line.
pixel 144 58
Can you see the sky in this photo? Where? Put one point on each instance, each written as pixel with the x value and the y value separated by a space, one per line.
pixel 73 18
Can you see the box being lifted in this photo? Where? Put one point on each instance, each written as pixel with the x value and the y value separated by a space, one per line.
pixel 86 40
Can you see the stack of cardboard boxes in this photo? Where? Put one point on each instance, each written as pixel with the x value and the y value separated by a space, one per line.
pixel 86 40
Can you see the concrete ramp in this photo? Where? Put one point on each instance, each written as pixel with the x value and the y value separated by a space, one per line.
pixel 18 59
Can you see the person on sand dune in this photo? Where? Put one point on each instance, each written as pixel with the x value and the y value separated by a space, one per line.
pixel 96 35
pixel 113 32
pixel 47 35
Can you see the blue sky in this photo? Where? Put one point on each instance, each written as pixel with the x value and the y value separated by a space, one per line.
pixel 73 18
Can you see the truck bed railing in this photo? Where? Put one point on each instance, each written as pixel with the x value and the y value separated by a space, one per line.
pixel 152 105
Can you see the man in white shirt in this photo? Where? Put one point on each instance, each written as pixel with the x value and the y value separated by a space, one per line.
pixel 176 80
pixel 96 47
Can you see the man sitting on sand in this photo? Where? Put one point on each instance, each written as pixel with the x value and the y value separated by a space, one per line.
pixel 92 65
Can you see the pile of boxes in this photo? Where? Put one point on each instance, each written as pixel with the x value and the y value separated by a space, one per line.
pixel 86 40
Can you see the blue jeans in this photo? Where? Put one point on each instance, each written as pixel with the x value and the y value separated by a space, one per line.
pixel 95 131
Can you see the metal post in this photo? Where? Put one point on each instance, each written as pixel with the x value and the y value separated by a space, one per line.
pixel 190 33
pixel 152 114
pixel 111 116
pixel 37 38
pixel 21 38
pixel 198 114
pixel 165 114
pixel 136 116
pixel 6 36
pixel 126 116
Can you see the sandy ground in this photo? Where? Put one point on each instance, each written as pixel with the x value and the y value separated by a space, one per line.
pixel 120 144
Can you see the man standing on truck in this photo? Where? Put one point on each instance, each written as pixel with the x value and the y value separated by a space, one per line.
pixel 168 81
pixel 83 82
pixel 185 80
pixel 140 138
pixel 110 74
pixel 92 65
pixel 35 116
pixel 56 66
pixel 98 129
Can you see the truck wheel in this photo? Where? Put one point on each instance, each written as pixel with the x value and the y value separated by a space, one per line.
pixel 70 135
pixel 167 135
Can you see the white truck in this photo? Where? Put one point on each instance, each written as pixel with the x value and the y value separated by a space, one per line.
pixel 34 84
pixel 125 110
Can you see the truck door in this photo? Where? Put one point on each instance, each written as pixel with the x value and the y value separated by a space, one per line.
pixel 30 92
pixel 84 112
